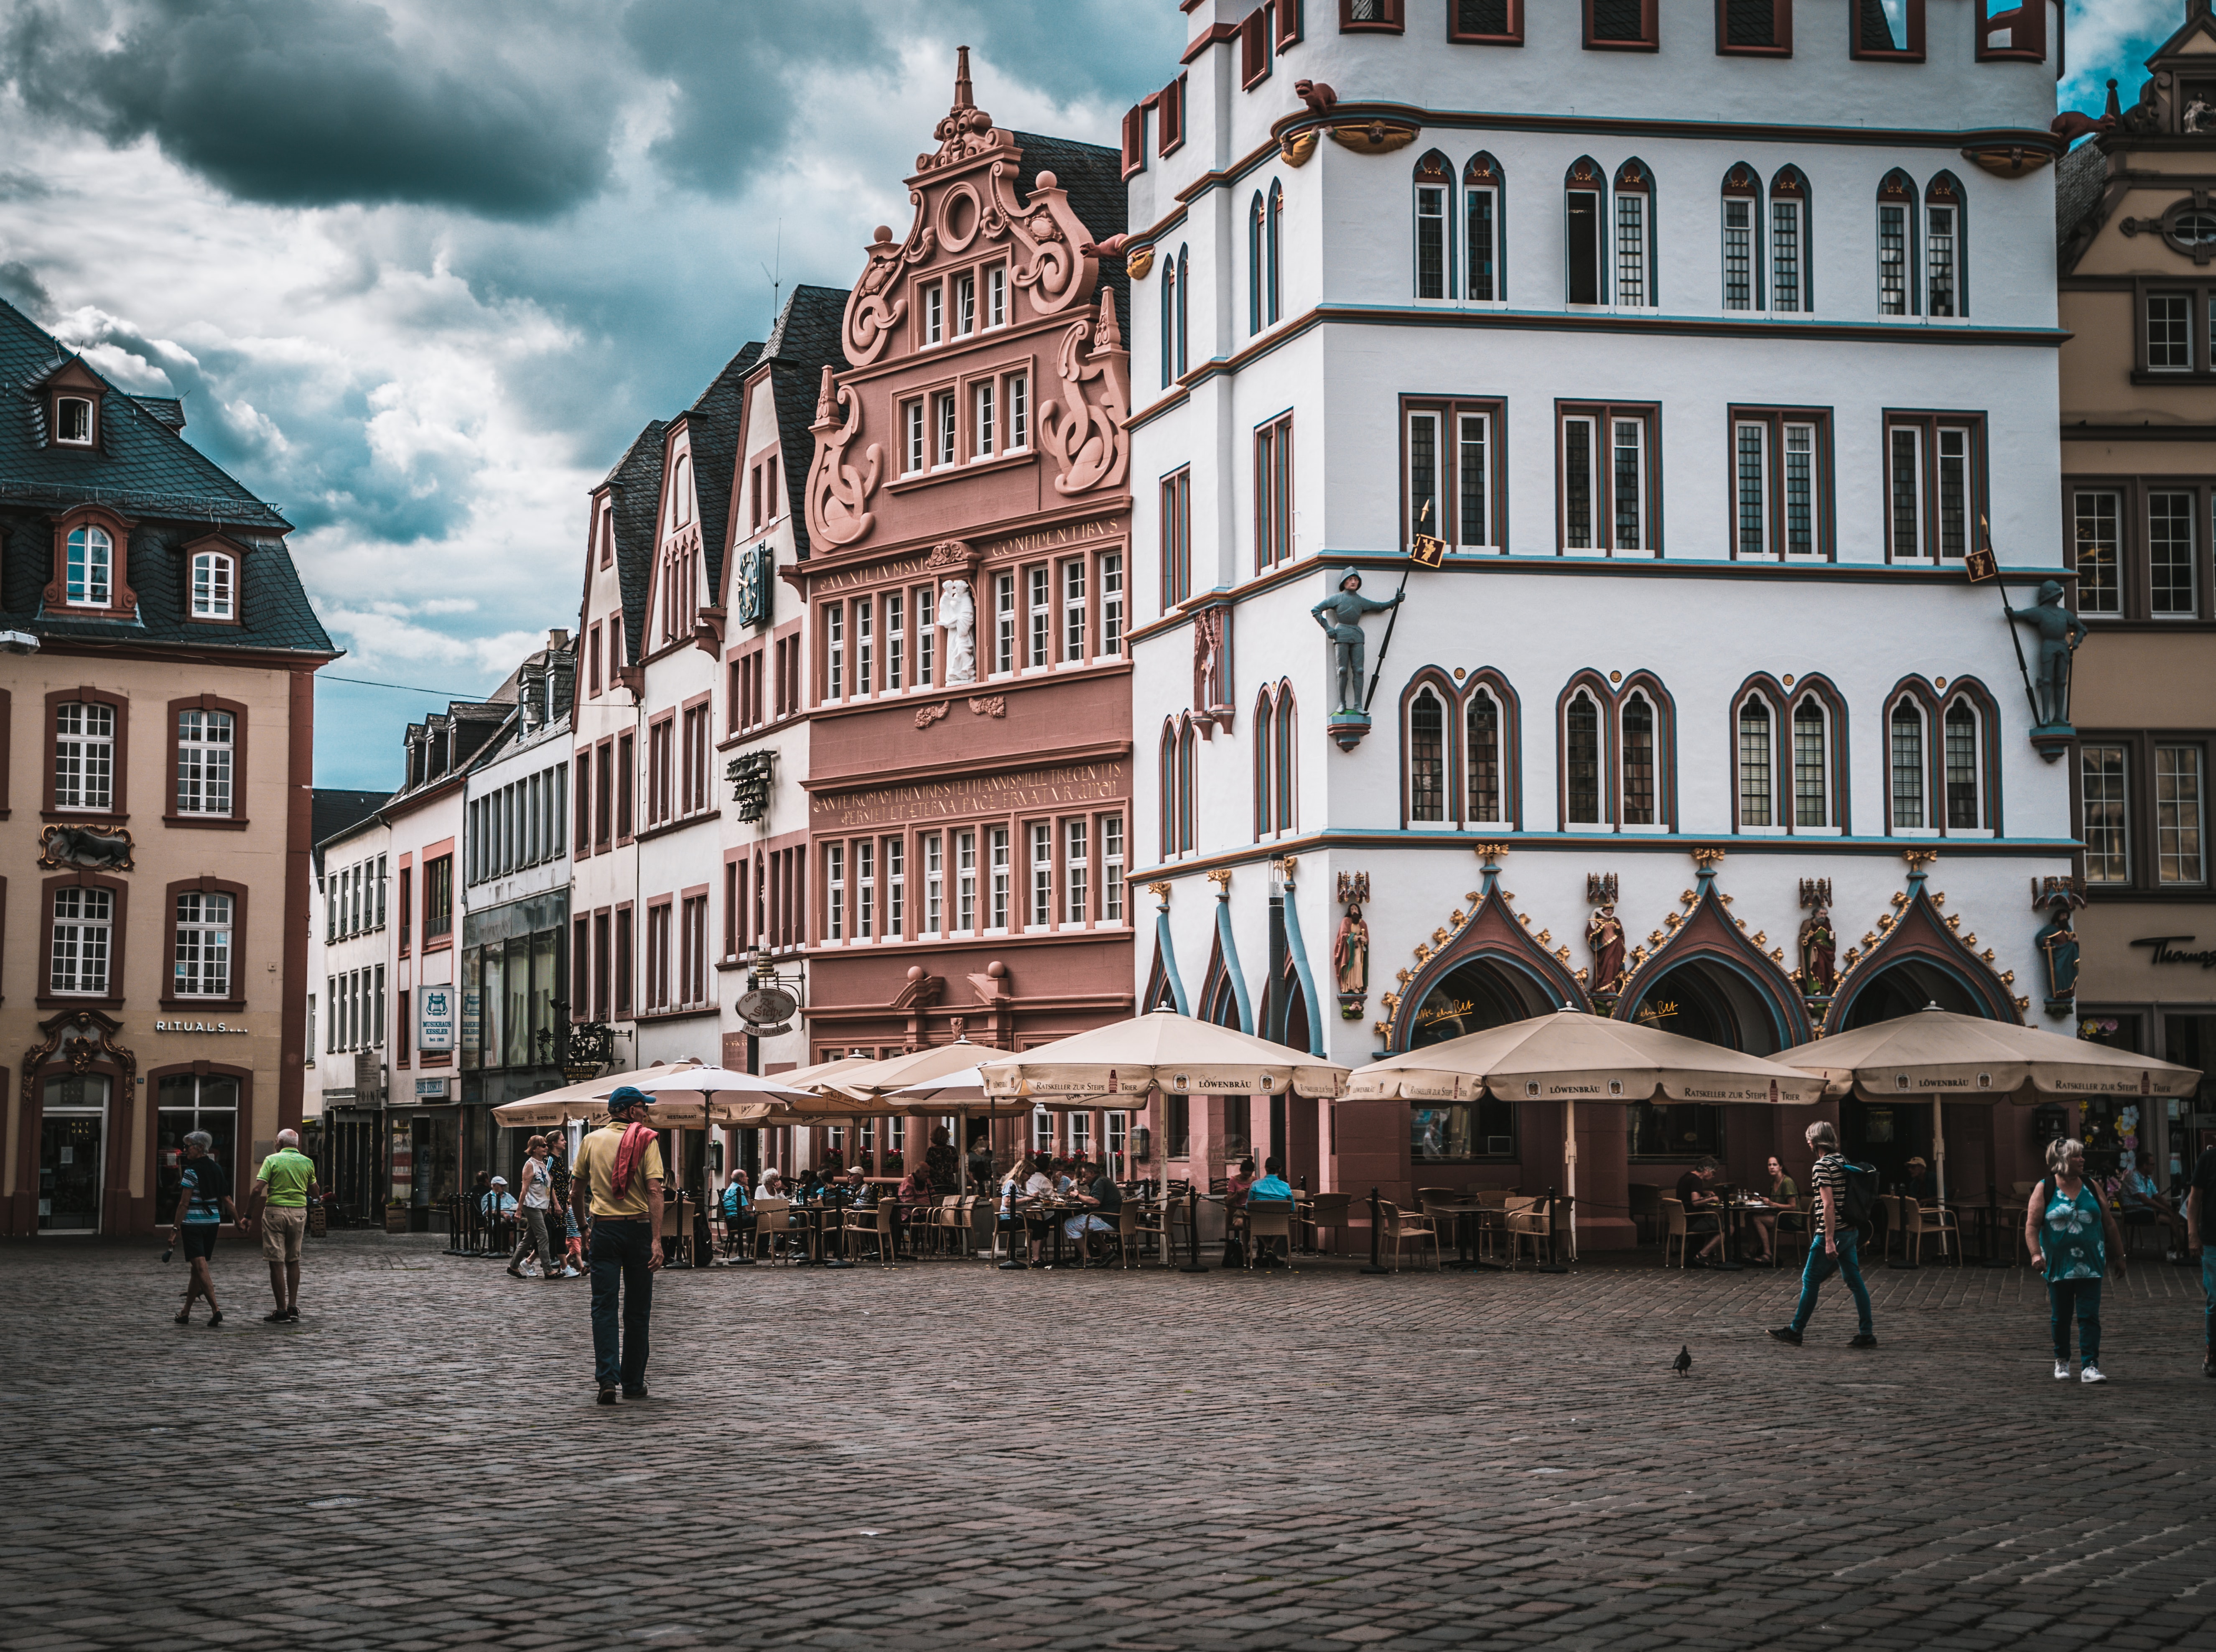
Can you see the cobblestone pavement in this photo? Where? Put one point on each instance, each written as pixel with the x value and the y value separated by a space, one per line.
pixel 946 1455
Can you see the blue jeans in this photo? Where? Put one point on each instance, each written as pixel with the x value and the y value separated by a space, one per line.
pixel 620 1250
pixel 1821 1266
pixel 2208 1291
pixel 2085 1296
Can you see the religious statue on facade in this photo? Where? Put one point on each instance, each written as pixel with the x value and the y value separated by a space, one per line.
pixel 1604 934
pixel 1343 626
pixel 2058 949
pixel 957 618
pixel 1349 954
pixel 1819 971
pixel 2059 632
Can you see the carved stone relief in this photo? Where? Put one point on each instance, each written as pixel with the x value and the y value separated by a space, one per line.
pixel 838 492
pixel 1085 433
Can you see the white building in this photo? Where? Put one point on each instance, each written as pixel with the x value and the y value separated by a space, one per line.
pixel 1705 354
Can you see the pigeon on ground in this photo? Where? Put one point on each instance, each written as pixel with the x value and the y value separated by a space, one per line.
pixel 1683 1362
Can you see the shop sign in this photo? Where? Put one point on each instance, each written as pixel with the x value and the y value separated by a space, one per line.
pixel 2165 953
pixel 434 1018
pixel 430 1089
pixel 199 1026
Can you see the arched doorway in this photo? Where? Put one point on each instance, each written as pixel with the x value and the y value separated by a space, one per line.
pixel 1704 998
pixel 1887 1134
pixel 1477 994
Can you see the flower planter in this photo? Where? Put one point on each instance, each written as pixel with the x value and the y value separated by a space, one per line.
pixel 395 1218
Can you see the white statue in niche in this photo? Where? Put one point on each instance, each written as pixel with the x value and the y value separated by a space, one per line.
pixel 957 618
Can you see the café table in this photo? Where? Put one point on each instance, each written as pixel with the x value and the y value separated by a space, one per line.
pixel 1469 1227
pixel 1739 1210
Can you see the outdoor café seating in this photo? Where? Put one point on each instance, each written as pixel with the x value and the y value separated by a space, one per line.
pixel 1268 1220
pixel 1320 1210
pixel 1401 1231
pixel 1674 1230
pixel 1935 1222
pixel 776 1236
pixel 874 1228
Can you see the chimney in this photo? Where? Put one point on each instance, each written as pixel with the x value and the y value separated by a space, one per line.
pixel 558 639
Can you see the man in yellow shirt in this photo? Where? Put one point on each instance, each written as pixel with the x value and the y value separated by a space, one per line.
pixel 617 1182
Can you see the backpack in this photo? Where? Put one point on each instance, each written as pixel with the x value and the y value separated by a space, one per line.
pixel 1858 1209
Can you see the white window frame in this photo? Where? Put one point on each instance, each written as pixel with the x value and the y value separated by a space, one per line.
pixel 934 885
pixel 1603 245
pixel 1469 194
pixel 1019 412
pixel 1112 868
pixel 1595 542
pixel 1741 253
pixel 2183 363
pixel 1039 909
pixel 1750 470
pixel 89 579
pixel 965 304
pixel 1829 824
pixel 834 892
pixel 1000 887
pixel 62 404
pixel 865 888
pixel 1977 733
pixel 2086 527
pixel 1957 480
pixel 864 645
pixel 1111 605
pixel 1432 207
pixel 2188 515
pixel 1661 824
pixel 912 452
pixel 1076 600
pixel 1487 539
pixel 1004 624
pixel 927 638
pixel 984 426
pixel 1787 244
pixel 965 882
pixel 203 947
pixel 932 305
pixel 1918 550
pixel 84 757
pixel 894 860
pixel 1038 616
pixel 834 651
pixel 895 640
pixel 207 743
pixel 82 943
pixel 1617 425
pixel 1076 869
pixel 996 296
pixel 215 585
pixel 1942 258
pixel 1773 824
pixel 1895 268
pixel 1629 246
pixel 945 439
pixel 2098 860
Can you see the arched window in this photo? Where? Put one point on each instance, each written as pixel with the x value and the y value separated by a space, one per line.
pixel 1583 804
pixel 680 491
pixel 1584 194
pixel 1640 771
pixel 1434 206
pixel 1812 764
pixel 1946 288
pixel 1896 245
pixel 1481 195
pixel 1266 752
pixel 1742 249
pixel 214 586
pixel 1756 805
pixel 1482 750
pixel 1792 270
pixel 1635 273
pixel 1427 758
pixel 1255 214
pixel 1188 747
pixel 1169 320
pixel 91 580
pixel 1167 784
pixel 1904 737
pixel 1281 762
pixel 1965 794
pixel 1273 279
pixel 1184 311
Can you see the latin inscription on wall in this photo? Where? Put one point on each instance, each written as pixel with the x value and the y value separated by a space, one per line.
pixel 1025 789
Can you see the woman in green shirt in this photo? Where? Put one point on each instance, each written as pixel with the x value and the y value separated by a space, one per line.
pixel 1787 1197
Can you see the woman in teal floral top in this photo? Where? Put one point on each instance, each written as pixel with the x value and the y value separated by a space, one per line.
pixel 2069 1231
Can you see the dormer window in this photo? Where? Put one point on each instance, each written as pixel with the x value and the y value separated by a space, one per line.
pixel 215 586
pixel 91 566
pixel 73 421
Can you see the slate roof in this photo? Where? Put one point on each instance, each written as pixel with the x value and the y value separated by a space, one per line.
pixel 173 493
pixel 805 339
pixel 1093 178
pixel 333 812
pixel 635 490
pixel 2078 178
pixel 713 421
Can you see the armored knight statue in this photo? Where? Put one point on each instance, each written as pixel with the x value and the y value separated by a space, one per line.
pixel 2059 632
pixel 1343 626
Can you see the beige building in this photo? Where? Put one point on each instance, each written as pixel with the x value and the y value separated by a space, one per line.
pixel 2136 220
pixel 156 717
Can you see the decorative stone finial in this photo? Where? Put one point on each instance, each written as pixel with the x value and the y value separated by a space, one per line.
pixel 1108 335
pixel 964 99
pixel 826 403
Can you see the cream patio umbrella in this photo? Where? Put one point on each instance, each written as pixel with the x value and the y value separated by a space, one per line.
pixel 1161 1050
pixel 963 1093
pixel 1938 1053
pixel 1571 1057
pixel 854 1088
pixel 587 1100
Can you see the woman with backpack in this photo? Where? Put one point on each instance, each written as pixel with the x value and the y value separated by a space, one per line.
pixel 2070 1232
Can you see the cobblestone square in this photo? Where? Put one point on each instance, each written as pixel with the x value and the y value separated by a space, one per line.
pixel 945 1455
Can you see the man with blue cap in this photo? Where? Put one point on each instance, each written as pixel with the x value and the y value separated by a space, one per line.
pixel 618 1178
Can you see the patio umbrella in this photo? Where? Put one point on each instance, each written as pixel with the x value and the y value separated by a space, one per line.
pixel 1161 1050
pixel 716 1095
pixel 963 1093
pixel 587 1101
pixel 810 1078
pixel 1947 1057
pixel 1569 1057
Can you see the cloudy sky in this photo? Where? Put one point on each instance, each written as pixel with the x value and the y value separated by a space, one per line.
pixel 421 269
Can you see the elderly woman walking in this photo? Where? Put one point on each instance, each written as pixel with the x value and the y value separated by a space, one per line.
pixel 2070 1232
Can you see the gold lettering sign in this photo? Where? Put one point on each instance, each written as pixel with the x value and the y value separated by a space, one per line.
pixel 1068 786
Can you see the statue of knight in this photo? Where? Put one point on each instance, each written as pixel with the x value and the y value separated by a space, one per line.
pixel 1344 627
pixel 2059 632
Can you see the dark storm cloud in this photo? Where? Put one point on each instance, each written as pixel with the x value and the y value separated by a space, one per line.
pixel 316 103
pixel 20 286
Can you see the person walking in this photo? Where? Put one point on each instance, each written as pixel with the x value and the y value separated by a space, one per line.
pixel 617 1183
pixel 537 1202
pixel 279 1203
pixel 560 1222
pixel 203 1203
pixel 1835 1246
pixel 2069 1231
pixel 2200 1207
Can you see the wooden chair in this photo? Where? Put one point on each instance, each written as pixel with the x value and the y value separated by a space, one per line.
pixel 1269 1218
pixel 1404 1230
pixel 1799 1235
pixel 1132 1227
pixel 1674 1230
pixel 1646 1200
pixel 874 1227
pixel 1530 1221
pixel 1937 1221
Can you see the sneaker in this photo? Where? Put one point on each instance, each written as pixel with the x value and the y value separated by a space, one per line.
pixel 607 1396
pixel 638 1393
pixel 293 1316
pixel 276 1317
pixel 1787 1333
pixel 2061 1371
pixel 2092 1373
pixel 1862 1340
